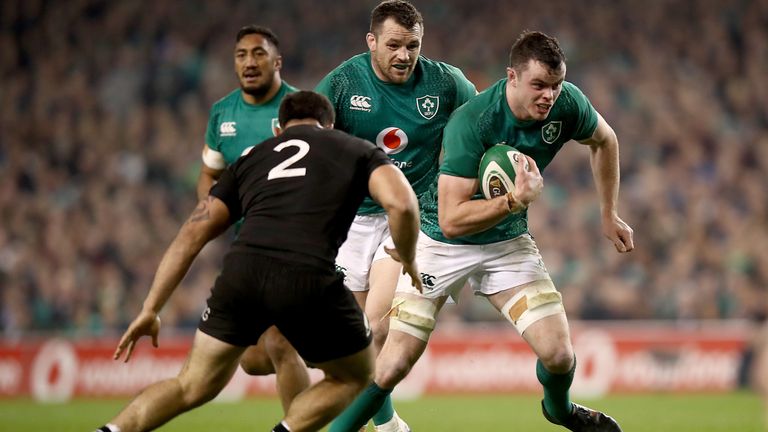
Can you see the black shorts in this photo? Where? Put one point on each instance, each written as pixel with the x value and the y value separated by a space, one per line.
pixel 313 309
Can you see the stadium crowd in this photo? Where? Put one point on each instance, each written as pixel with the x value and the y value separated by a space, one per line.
pixel 105 104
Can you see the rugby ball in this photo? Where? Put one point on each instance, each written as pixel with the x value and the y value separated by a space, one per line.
pixel 497 171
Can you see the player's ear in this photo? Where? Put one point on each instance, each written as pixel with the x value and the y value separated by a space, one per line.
pixel 370 39
pixel 278 62
pixel 278 130
pixel 512 76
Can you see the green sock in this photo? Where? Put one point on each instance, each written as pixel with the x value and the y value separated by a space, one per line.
pixel 557 401
pixel 360 410
pixel 385 413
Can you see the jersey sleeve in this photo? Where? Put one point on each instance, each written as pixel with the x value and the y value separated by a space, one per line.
pixel 462 146
pixel 586 116
pixel 464 87
pixel 325 88
pixel 374 157
pixel 226 190
pixel 210 132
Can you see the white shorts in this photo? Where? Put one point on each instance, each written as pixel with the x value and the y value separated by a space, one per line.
pixel 445 268
pixel 364 245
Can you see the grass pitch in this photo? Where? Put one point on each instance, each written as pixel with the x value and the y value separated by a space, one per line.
pixel 737 412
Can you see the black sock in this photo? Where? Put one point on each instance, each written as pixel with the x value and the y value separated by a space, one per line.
pixel 280 427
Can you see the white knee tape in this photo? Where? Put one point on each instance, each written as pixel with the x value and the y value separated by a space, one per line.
pixel 413 316
pixel 536 300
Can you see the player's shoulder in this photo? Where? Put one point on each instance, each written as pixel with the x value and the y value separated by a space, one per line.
pixel 436 66
pixel 229 100
pixel 484 103
pixel 347 140
pixel 571 99
pixel 324 136
pixel 355 65
pixel 571 88
pixel 571 93
pixel 287 88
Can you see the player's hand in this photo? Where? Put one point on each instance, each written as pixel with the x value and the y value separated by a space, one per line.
pixel 146 324
pixel 618 232
pixel 410 268
pixel 528 181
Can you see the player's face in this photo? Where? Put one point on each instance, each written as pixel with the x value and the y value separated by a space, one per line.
pixel 395 51
pixel 532 91
pixel 257 64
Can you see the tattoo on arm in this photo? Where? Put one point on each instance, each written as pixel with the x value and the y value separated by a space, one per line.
pixel 202 212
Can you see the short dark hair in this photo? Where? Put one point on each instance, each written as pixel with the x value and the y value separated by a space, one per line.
pixel 403 12
pixel 265 32
pixel 306 104
pixel 537 46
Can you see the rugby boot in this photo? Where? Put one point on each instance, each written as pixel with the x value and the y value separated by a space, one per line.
pixel 398 425
pixel 583 419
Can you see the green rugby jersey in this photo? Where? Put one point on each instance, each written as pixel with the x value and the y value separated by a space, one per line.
pixel 487 120
pixel 405 120
pixel 234 124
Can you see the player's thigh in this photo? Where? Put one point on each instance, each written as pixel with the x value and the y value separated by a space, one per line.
pixel 361 297
pixel 357 253
pixel 210 364
pixel 354 367
pixel 385 273
pixel 410 329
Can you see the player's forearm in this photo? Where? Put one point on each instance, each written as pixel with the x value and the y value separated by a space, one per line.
pixel 404 227
pixel 605 171
pixel 172 269
pixel 472 216
pixel 208 220
pixel 402 209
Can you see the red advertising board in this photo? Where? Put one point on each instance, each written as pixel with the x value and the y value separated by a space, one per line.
pixel 612 358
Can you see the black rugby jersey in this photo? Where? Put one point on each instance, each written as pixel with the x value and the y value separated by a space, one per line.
pixel 299 193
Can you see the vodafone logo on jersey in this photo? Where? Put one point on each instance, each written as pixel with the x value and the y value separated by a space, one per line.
pixel 392 140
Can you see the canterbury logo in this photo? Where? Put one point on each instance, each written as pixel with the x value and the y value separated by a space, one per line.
pixel 227 129
pixel 360 103
pixel 428 280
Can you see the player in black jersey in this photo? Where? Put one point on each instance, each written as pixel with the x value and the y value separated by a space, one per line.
pixel 298 193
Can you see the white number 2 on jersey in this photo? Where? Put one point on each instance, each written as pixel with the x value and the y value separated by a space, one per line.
pixel 283 170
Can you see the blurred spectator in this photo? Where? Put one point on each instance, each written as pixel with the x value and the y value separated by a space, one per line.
pixel 105 103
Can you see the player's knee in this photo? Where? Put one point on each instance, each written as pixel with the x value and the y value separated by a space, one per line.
pixel 559 359
pixel 255 361
pixel 355 376
pixel 390 374
pixel 198 392
pixel 379 328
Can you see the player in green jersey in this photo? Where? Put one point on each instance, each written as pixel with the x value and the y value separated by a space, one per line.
pixel 467 239
pixel 400 100
pixel 246 117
